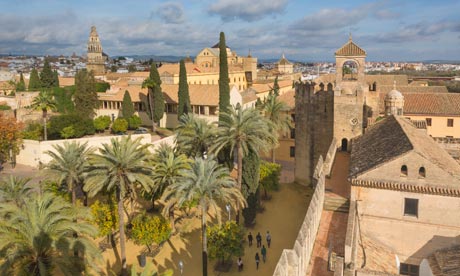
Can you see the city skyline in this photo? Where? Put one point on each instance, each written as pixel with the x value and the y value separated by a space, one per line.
pixel 302 30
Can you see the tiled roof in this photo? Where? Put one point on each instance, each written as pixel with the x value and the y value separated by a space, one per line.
pixel 265 87
pixel 283 61
pixel 387 80
pixel 379 259
pixel 288 98
pixel 412 89
pixel 393 137
pixel 350 49
pixel 66 81
pixel 436 104
pixel 445 262
pixel 191 68
pixel 249 95
pixel 199 94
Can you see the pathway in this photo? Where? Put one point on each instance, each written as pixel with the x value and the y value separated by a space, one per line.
pixel 333 225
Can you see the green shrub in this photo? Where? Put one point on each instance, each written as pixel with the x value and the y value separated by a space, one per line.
pixel 81 126
pixel 224 241
pixel 68 132
pixel 102 86
pixel 269 176
pixel 105 217
pixel 147 230
pixel 119 125
pixel 5 107
pixel 102 123
pixel 63 98
pixel 33 131
pixel 134 122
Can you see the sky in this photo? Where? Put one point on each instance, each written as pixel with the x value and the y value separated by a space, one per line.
pixel 304 30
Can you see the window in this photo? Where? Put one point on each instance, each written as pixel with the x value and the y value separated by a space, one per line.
pixel 292 151
pixel 421 172
pixel 404 170
pixel 212 110
pixel 292 133
pixel 293 118
pixel 408 269
pixel 410 208
pixel 428 121
pixel 450 122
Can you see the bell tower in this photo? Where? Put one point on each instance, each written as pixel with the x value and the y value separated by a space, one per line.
pixel 96 58
pixel 349 93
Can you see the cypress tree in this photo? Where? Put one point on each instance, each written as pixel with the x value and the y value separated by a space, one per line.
pixel 34 81
pixel 21 86
pixel 155 99
pixel 85 96
pixel 56 78
pixel 183 94
pixel 47 76
pixel 276 87
pixel 224 82
pixel 127 107
pixel 250 186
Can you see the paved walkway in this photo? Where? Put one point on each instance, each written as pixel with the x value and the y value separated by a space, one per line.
pixel 333 225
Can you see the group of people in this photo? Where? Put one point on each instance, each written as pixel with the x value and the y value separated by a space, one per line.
pixel 263 249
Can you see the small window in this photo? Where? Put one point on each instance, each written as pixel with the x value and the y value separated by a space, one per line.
pixel 404 170
pixel 410 208
pixel 450 122
pixel 428 121
pixel 293 118
pixel 292 133
pixel 421 172
pixel 408 269
pixel 292 151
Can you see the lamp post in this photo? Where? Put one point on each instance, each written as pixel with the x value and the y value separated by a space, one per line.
pixel 228 207
pixel 181 267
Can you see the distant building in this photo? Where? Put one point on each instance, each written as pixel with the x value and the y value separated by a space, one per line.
pixel 96 57
pixel 285 66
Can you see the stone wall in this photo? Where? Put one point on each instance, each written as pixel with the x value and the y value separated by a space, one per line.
pixel 295 261
pixel 33 152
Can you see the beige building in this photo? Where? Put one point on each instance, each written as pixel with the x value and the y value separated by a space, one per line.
pixel 284 66
pixel 406 192
pixel 96 58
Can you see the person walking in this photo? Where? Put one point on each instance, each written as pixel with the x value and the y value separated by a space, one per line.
pixel 250 238
pixel 263 251
pixel 257 260
pixel 240 264
pixel 259 240
pixel 269 238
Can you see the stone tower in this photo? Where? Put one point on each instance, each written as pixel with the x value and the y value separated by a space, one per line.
pixel 349 93
pixel 394 102
pixel 250 68
pixel 96 58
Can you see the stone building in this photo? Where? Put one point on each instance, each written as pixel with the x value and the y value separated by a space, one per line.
pixel 284 66
pixel 96 57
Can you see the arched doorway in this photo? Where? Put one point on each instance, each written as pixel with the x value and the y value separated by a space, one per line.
pixel 344 146
pixel 350 70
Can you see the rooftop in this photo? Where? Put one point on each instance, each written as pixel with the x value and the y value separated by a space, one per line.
pixel 350 49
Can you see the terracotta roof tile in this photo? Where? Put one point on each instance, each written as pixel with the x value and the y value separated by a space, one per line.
pixel 441 104
pixel 445 262
pixel 288 98
pixel 350 49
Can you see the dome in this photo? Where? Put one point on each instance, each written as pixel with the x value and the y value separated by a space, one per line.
pixel 394 95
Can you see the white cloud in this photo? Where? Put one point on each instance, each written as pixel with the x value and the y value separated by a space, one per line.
pixel 253 10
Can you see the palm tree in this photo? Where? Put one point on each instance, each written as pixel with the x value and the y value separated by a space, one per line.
pixel 209 183
pixel 38 238
pixel 194 135
pixel 68 165
pixel 120 167
pixel 14 189
pixel 167 170
pixel 242 130
pixel 44 102
pixel 276 112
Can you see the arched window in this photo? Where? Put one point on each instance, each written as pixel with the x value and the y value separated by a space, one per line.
pixel 422 172
pixel 350 70
pixel 404 170
pixel 321 86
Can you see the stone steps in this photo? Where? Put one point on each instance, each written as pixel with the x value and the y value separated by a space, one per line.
pixel 336 204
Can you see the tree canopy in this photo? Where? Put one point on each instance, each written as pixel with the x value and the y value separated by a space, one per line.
pixel 183 94
pixel 34 81
pixel 85 96
pixel 127 107
pixel 224 81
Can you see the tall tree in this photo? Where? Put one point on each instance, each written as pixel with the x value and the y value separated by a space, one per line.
pixel 44 102
pixel 85 96
pixel 183 94
pixel 224 81
pixel 56 78
pixel 194 136
pixel 210 184
pixel 277 112
pixel 127 107
pixel 15 189
pixel 250 185
pixel 38 238
pixel 34 81
pixel 47 76
pixel 243 130
pixel 120 167
pixel 68 165
pixel 21 85
pixel 10 137
pixel 155 99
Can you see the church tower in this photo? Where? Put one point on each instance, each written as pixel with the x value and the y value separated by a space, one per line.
pixel 96 58
pixel 349 93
